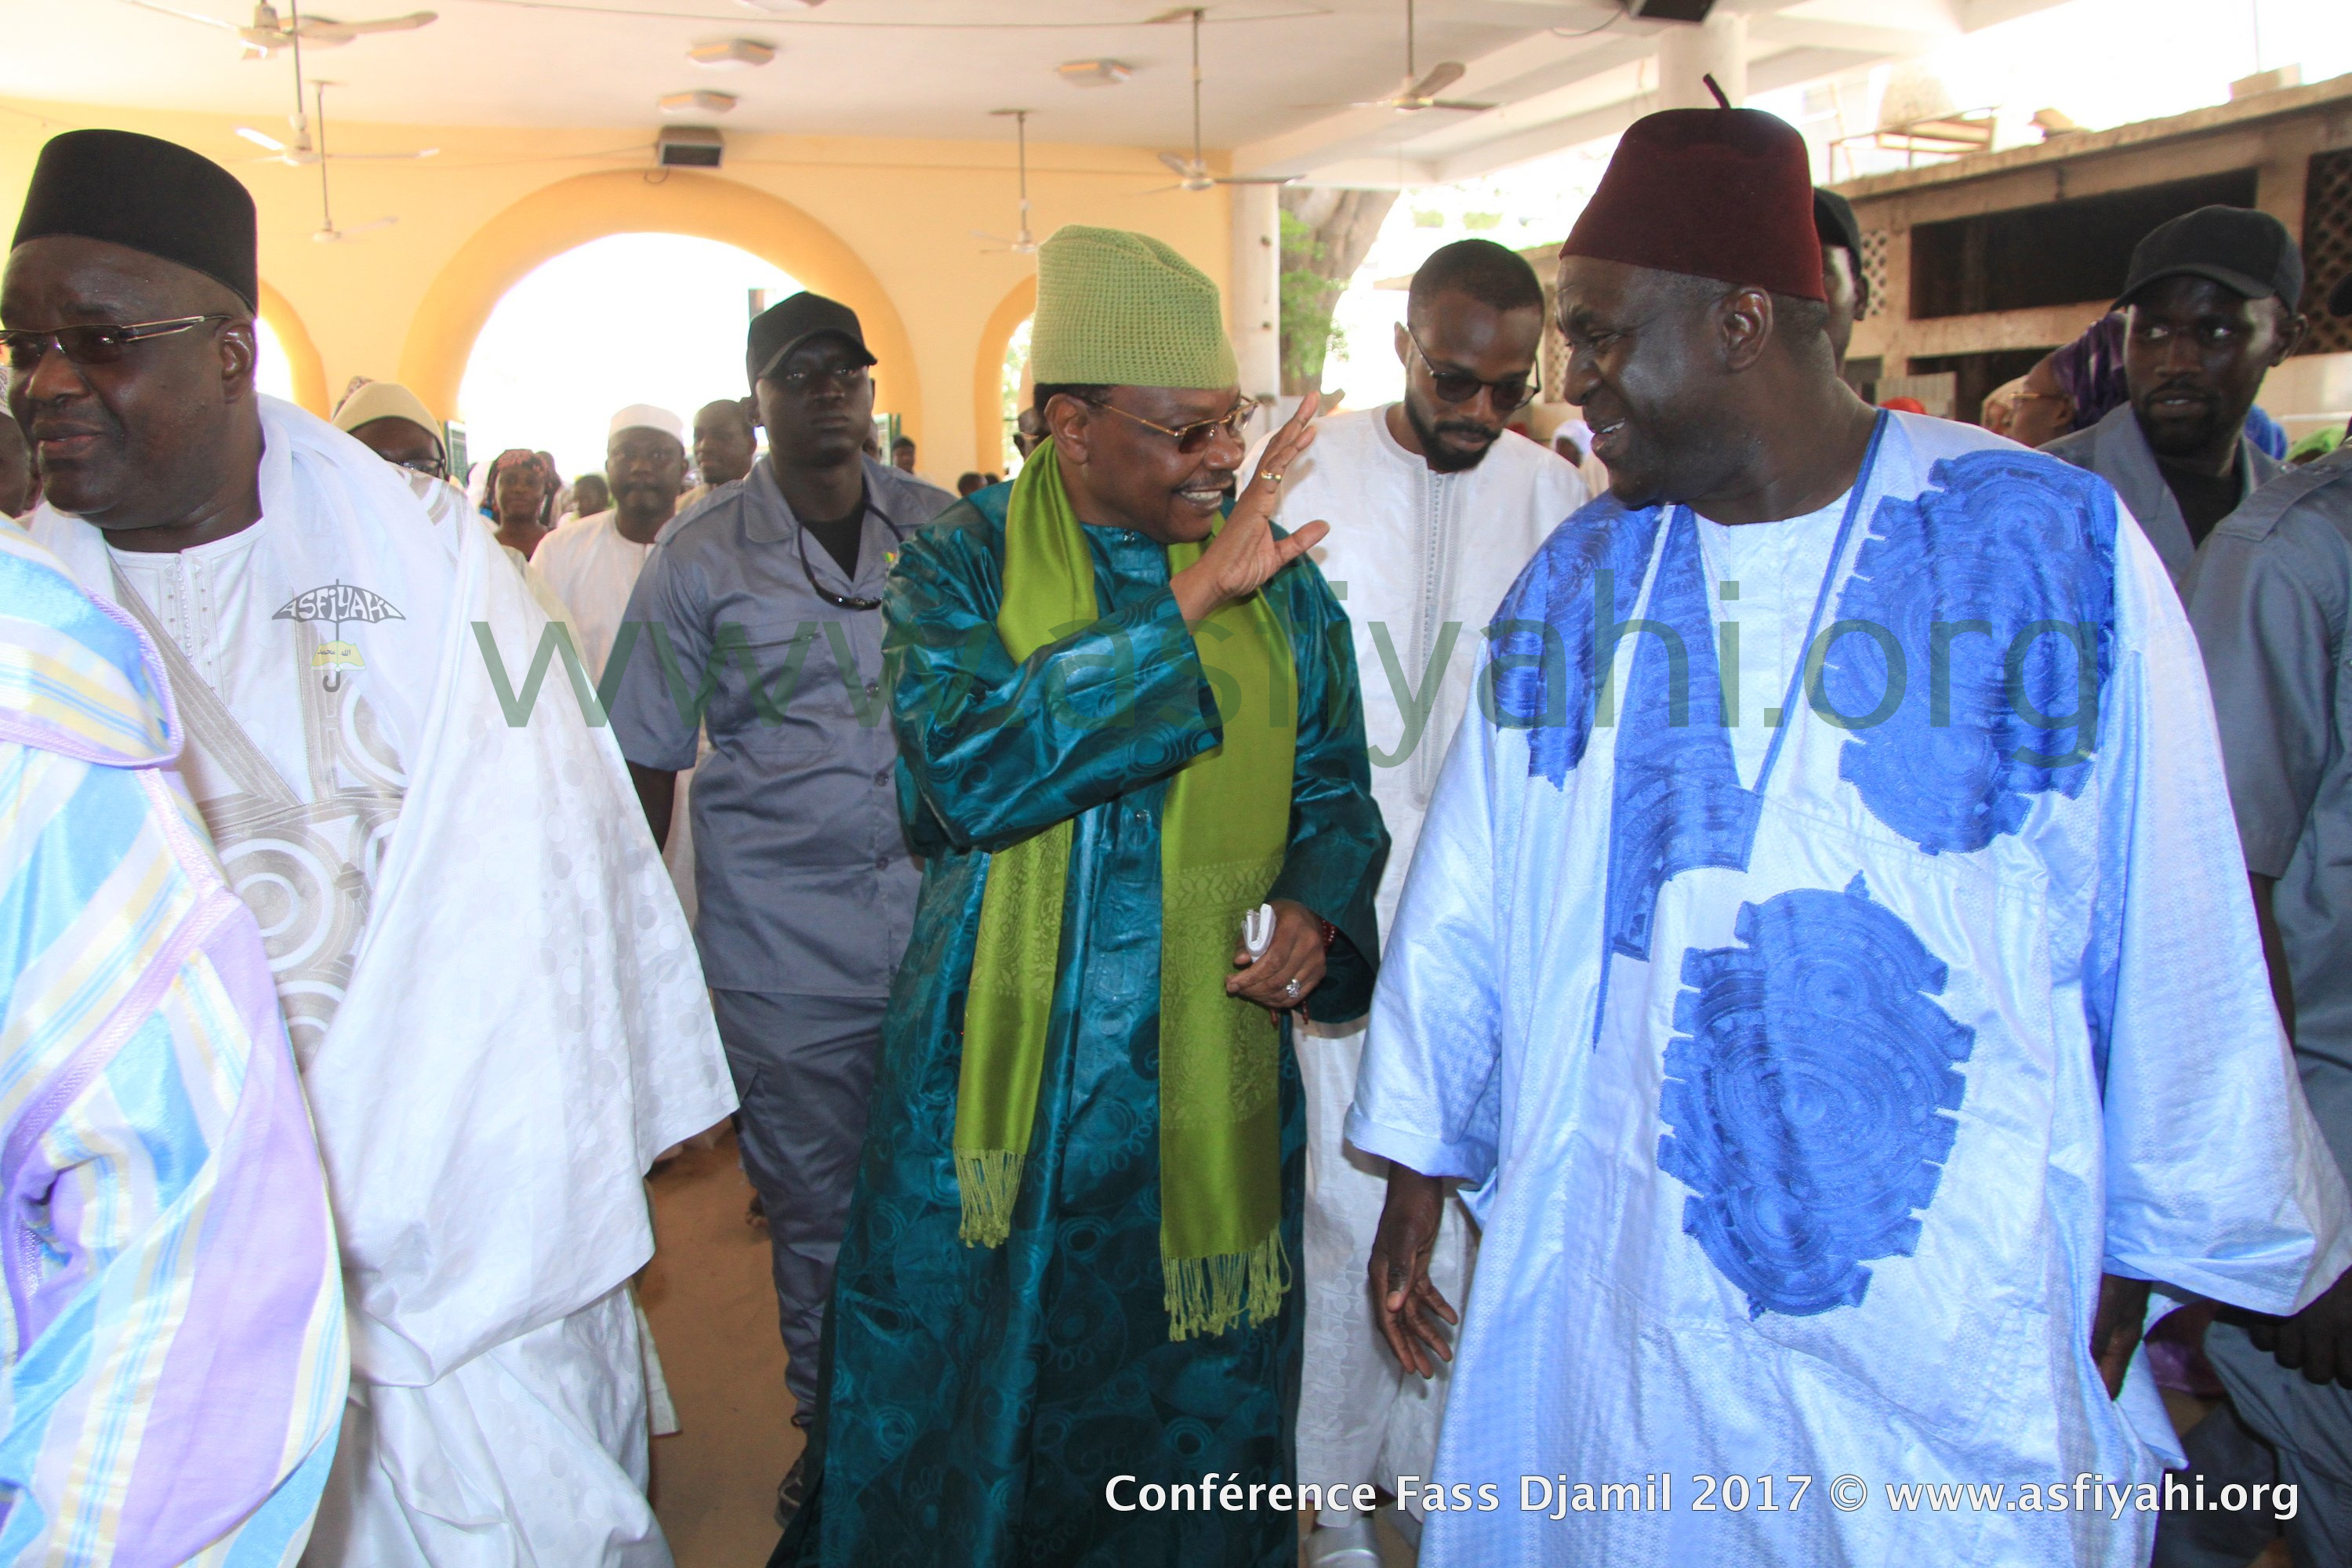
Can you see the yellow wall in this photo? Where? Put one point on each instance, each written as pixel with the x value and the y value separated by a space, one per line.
pixel 886 225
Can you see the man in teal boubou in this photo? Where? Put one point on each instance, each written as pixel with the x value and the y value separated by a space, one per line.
pixel 1071 1254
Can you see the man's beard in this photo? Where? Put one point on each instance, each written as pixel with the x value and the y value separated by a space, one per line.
pixel 2184 435
pixel 1441 459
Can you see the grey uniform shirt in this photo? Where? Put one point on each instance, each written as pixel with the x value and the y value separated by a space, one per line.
pixel 2116 451
pixel 2268 597
pixel 803 874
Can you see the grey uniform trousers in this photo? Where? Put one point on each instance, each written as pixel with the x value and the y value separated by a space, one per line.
pixel 2277 1427
pixel 803 1067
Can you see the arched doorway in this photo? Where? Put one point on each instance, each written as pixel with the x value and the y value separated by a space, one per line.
pixel 997 372
pixel 630 318
pixel 288 366
pixel 273 367
pixel 571 213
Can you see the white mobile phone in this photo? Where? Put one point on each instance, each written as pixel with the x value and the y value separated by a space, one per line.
pixel 1257 931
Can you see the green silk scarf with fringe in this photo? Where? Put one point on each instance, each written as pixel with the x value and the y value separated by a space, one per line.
pixel 1223 828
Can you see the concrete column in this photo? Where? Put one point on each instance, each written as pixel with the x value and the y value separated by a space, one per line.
pixel 1717 47
pixel 1254 305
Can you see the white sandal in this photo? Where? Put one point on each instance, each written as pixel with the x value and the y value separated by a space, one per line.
pixel 1352 1545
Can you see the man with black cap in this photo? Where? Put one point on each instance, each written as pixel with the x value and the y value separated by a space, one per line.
pixel 1831 1079
pixel 2209 308
pixel 485 1124
pixel 1845 287
pixel 2271 597
pixel 758 618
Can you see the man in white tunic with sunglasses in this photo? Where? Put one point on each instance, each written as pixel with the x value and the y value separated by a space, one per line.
pixel 1443 504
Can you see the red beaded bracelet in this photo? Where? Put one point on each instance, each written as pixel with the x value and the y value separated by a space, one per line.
pixel 1329 931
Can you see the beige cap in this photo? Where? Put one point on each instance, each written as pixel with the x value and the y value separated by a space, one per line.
pixel 385 400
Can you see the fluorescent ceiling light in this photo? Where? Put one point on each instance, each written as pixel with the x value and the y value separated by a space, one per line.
pixel 731 54
pixel 1094 73
pixel 702 100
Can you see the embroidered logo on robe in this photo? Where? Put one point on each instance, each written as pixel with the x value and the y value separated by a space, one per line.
pixel 1807 1097
pixel 332 605
pixel 1972 647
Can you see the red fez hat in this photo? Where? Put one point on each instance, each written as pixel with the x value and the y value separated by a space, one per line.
pixel 1715 192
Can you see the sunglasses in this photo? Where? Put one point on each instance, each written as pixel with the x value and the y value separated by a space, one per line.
pixel 1191 438
pixel 99 343
pixel 846 378
pixel 1512 393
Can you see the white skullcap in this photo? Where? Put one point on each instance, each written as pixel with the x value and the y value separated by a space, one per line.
pixel 385 400
pixel 645 417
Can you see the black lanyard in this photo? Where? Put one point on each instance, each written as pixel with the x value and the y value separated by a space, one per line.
pixel 847 601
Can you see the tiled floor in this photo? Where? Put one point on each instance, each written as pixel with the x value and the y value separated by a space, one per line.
pixel 714 1317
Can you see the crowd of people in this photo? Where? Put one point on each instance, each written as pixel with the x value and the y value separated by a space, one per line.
pixel 1383 971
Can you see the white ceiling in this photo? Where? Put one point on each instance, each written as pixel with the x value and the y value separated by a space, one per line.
pixel 1276 70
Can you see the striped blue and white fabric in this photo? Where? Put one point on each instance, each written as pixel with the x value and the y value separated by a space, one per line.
pixel 172 1353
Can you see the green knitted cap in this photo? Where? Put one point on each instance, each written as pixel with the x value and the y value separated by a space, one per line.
pixel 1115 308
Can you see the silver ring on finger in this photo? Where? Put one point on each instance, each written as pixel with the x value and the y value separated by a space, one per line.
pixel 1290 988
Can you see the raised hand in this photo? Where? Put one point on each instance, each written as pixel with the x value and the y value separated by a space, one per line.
pixel 1245 554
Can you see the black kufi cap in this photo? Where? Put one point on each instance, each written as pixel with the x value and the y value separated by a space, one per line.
pixel 151 195
pixel 780 328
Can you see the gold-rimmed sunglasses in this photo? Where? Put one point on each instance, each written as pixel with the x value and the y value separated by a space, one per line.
pixel 1190 438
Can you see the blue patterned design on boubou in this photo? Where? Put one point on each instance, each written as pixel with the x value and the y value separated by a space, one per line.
pixel 1678 804
pixel 1539 660
pixel 1991 595
pixel 1808 1094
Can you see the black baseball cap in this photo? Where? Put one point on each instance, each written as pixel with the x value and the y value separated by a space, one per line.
pixel 2248 252
pixel 1835 223
pixel 780 328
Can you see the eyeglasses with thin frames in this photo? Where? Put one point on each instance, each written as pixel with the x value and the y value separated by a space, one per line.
pixel 1512 393
pixel 94 343
pixel 1190 438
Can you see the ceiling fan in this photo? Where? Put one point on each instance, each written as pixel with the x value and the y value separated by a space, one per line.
pixel 268 34
pixel 300 152
pixel 1193 172
pixel 327 233
pixel 1024 242
pixel 1417 91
